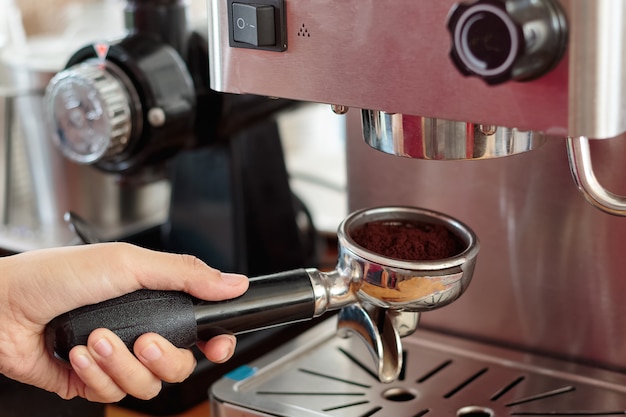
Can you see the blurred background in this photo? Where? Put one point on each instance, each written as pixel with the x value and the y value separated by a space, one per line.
pixel 38 185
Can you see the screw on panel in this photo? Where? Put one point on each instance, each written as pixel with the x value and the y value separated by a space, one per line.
pixel 156 117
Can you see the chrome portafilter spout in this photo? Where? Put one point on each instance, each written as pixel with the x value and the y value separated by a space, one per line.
pixel 382 281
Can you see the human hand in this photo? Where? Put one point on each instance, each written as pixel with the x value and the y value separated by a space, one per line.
pixel 37 286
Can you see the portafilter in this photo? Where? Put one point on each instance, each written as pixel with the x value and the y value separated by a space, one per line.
pixel 393 263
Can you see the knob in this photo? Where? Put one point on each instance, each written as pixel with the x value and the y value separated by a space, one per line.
pixel 503 40
pixel 89 109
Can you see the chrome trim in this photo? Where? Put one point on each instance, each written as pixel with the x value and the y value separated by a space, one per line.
pixel 331 290
pixel 579 157
pixel 426 138
pixel 597 65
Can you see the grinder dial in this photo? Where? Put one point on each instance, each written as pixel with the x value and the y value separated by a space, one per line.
pixel 502 40
pixel 89 109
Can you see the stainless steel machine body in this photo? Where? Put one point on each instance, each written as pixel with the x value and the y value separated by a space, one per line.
pixel 511 70
pixel 389 57
pixel 550 279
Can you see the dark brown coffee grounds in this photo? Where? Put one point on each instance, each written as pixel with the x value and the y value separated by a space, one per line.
pixel 408 241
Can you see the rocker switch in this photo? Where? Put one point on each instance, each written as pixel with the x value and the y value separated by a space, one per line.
pixel 253 24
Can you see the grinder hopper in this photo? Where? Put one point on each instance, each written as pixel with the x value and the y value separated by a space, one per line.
pixel 380 297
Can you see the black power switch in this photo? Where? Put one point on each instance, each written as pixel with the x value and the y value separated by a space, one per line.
pixel 257 24
pixel 254 24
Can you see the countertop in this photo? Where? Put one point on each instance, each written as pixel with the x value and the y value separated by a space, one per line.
pixel 200 410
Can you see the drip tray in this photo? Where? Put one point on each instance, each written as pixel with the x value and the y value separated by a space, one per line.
pixel 320 374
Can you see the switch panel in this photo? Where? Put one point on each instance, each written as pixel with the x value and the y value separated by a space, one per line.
pixel 257 24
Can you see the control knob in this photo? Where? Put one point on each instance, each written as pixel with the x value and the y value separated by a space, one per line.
pixel 90 110
pixel 502 40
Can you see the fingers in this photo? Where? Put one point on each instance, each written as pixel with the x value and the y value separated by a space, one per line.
pixel 109 370
pixel 166 361
pixel 219 349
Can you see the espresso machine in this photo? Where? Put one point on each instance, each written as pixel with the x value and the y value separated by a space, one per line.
pixel 507 115
pixel 479 113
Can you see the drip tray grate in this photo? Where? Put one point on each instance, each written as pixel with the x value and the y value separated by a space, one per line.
pixel 320 374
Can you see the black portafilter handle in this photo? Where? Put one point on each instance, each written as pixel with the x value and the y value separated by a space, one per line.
pixel 270 300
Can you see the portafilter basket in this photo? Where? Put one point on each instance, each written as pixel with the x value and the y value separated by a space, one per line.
pixel 379 296
pixel 407 285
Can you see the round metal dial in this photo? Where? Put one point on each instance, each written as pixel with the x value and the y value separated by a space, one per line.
pixel 502 40
pixel 89 109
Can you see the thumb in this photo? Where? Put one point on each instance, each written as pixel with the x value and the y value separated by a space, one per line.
pixel 180 272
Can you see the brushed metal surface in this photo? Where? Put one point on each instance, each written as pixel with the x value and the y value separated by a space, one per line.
pixel 596 67
pixel 319 374
pixel 393 56
pixel 550 277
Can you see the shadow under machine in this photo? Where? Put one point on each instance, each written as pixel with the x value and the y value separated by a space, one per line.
pixel 493 107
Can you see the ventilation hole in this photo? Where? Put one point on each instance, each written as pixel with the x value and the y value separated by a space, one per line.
pixel 434 371
pixel 569 413
pixel 312 393
pixel 359 363
pixel 507 388
pixel 402 375
pixel 372 412
pixel 465 383
pixel 398 395
pixel 473 411
pixel 541 396
pixel 304 32
pixel 339 407
pixel 334 378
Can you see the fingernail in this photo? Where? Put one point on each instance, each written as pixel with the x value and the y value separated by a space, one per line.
pixel 151 352
pixel 229 348
pixel 233 279
pixel 81 361
pixel 103 348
